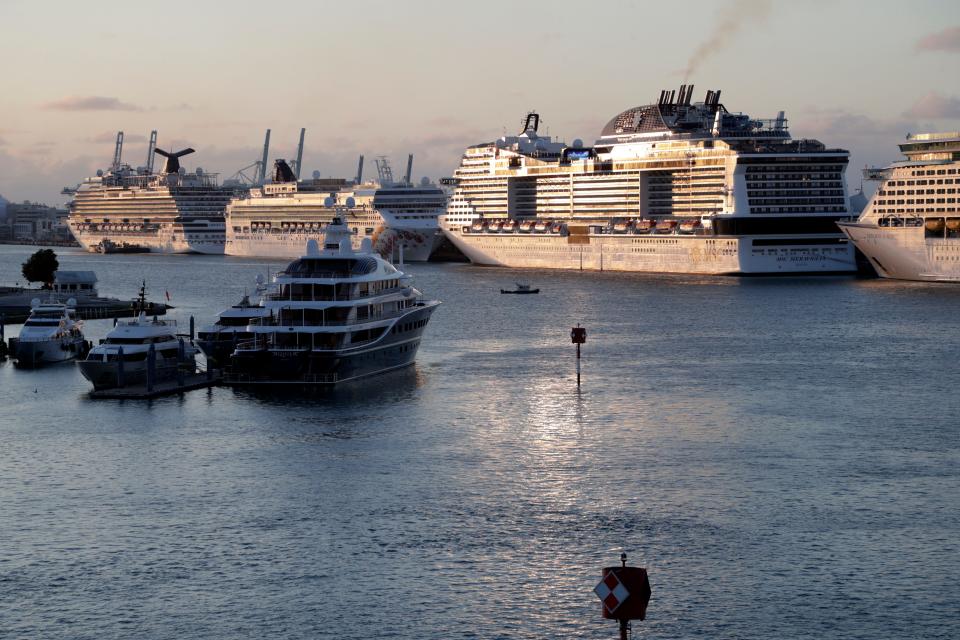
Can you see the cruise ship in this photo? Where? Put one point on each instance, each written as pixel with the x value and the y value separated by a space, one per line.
pixel 277 219
pixel 171 211
pixel 910 229
pixel 675 187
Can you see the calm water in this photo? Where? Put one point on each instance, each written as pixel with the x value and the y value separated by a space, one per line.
pixel 782 454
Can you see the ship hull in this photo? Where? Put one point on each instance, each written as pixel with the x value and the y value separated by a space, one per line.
pixel 904 253
pixel 655 253
pixel 40 353
pixel 418 244
pixel 163 240
pixel 105 375
pixel 326 368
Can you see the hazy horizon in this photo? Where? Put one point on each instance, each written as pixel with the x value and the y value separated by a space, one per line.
pixel 430 79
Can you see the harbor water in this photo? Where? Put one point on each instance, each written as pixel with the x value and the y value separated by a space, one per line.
pixel 781 454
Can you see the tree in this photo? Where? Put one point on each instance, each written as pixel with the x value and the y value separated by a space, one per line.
pixel 41 266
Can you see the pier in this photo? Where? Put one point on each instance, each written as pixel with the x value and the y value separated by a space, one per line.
pixel 189 382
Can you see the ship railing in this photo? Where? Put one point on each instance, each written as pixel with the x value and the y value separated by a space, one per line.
pixel 289 297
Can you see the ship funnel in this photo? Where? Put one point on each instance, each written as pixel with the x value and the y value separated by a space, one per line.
pixel 172 164
pixel 532 122
pixel 282 172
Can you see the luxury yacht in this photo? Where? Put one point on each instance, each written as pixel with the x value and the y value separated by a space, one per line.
pixel 335 315
pixel 51 334
pixel 125 355
pixel 218 340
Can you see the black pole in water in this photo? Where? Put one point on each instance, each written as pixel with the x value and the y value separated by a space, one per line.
pixel 191 329
pixel 151 367
pixel 120 380
pixel 578 335
pixel 181 357
pixel 2 319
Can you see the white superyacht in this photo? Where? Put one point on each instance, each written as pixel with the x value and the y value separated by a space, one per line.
pixel 51 334
pixel 335 315
pixel 910 230
pixel 676 186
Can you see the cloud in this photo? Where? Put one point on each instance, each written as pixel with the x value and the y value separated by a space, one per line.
pixel 90 103
pixel 111 136
pixel 936 106
pixel 946 40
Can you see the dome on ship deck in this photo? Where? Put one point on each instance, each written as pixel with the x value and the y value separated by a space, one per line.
pixel 642 119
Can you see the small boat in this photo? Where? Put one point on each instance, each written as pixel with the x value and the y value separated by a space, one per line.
pixel 509 226
pixel 521 288
pixel 542 227
pixel 526 226
pixel 689 226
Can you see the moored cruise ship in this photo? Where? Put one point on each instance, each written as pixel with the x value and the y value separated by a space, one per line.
pixel 167 212
pixel 910 230
pixel 673 186
pixel 277 219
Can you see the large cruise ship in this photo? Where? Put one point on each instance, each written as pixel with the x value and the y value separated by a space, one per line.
pixel 277 219
pixel 910 230
pixel 674 186
pixel 167 212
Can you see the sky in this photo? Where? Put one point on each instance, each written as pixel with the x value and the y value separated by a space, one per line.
pixel 430 78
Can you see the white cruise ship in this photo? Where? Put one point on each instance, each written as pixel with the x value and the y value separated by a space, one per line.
pixel 167 212
pixel 276 220
pixel 673 186
pixel 910 230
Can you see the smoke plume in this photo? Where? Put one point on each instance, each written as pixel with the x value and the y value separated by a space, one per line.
pixel 732 19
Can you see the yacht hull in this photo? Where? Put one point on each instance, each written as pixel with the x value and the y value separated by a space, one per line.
pixel 306 367
pixel 38 354
pixel 105 375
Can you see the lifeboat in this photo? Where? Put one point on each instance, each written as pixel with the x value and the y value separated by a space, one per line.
pixel 643 226
pixel 621 227
pixel 556 227
pixel 494 227
pixel 509 226
pixel 526 226
pixel 934 225
pixel 542 226
pixel 689 226
pixel 477 226
pixel 953 224
pixel 666 226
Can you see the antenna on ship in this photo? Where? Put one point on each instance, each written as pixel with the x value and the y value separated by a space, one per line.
pixel 296 165
pixel 150 147
pixel 117 151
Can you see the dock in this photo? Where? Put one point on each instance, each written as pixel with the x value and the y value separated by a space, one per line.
pixel 190 382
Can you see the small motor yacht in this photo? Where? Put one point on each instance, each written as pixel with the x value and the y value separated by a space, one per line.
pixel 218 340
pixel 132 348
pixel 51 334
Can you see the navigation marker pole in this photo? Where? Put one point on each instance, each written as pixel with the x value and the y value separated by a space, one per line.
pixel 578 336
